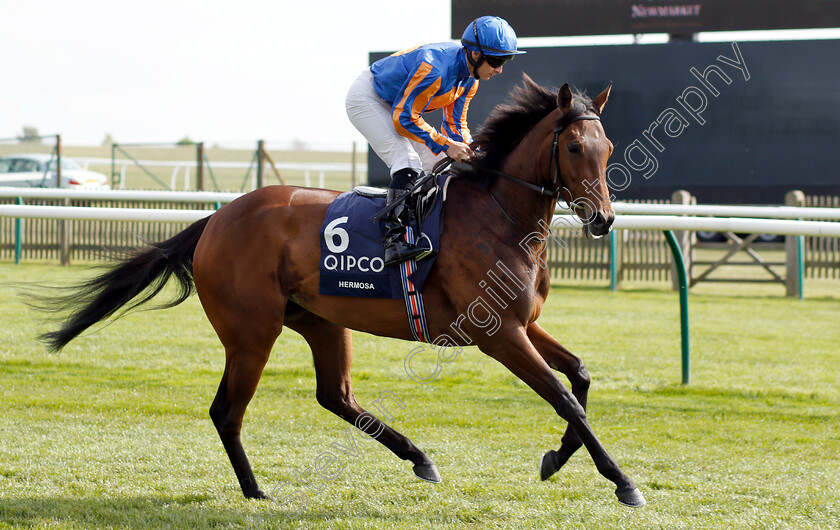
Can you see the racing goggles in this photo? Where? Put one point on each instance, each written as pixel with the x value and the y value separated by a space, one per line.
pixel 496 61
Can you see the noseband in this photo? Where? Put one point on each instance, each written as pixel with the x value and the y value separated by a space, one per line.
pixel 553 163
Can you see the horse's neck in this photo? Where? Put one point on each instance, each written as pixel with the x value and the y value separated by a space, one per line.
pixel 529 161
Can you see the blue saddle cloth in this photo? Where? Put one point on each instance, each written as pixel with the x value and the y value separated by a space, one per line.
pixel 352 254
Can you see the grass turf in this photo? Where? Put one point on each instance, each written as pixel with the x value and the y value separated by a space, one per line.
pixel 114 432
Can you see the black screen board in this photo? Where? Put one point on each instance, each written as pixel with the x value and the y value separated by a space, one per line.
pixel 773 127
pixel 553 18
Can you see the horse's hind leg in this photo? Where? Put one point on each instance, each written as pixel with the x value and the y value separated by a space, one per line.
pixel 239 382
pixel 247 338
pixel 332 352
pixel 565 362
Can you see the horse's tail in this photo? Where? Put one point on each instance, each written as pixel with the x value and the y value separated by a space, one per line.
pixel 140 274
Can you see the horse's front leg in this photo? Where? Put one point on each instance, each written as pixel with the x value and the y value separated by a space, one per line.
pixel 565 362
pixel 514 349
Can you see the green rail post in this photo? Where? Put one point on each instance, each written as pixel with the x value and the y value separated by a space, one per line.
pixel 113 166
pixel 260 151
pixel 800 264
pixel 683 281
pixel 613 260
pixel 18 235
pixel 199 166
pixel 57 160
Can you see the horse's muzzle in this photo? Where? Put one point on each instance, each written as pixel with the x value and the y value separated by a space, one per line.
pixel 599 225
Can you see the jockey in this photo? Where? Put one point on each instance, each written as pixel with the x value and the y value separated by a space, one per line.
pixel 387 101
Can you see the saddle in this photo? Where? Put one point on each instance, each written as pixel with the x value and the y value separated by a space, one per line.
pixel 419 202
pixel 351 247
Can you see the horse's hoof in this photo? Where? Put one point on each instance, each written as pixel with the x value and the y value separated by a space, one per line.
pixel 631 498
pixel 427 472
pixel 548 465
pixel 259 494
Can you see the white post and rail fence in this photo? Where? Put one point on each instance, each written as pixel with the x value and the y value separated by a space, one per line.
pixel 791 221
pixel 199 166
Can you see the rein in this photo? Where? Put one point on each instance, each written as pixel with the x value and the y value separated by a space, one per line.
pixel 553 163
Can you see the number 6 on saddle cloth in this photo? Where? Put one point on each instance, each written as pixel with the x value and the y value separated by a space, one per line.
pixel 352 255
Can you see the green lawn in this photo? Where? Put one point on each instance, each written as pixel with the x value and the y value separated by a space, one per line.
pixel 114 431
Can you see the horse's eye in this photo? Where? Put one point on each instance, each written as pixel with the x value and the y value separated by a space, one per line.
pixel 574 148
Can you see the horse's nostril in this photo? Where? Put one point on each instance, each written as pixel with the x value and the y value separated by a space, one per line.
pixel 599 225
pixel 600 219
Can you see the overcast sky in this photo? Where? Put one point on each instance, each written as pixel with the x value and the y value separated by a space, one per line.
pixel 217 71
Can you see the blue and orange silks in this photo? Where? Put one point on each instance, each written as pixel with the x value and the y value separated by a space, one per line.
pixel 428 77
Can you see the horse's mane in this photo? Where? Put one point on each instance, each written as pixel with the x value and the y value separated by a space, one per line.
pixel 510 121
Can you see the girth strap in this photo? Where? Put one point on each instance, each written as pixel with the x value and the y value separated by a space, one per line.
pixel 413 298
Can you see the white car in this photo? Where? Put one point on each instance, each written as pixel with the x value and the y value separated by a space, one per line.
pixel 39 171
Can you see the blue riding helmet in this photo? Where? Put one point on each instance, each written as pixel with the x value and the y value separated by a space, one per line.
pixel 490 36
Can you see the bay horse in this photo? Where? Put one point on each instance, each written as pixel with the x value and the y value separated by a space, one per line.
pixel 255 266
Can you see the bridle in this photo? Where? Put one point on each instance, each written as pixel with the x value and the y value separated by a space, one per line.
pixel 553 164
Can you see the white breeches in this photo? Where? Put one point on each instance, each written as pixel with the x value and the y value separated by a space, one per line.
pixel 371 115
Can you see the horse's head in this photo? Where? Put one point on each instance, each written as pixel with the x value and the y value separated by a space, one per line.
pixel 581 150
pixel 549 143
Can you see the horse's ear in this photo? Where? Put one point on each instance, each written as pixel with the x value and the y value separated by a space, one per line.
pixel 527 81
pixel 564 98
pixel 602 98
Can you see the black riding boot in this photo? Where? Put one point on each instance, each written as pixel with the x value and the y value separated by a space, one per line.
pixel 397 249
